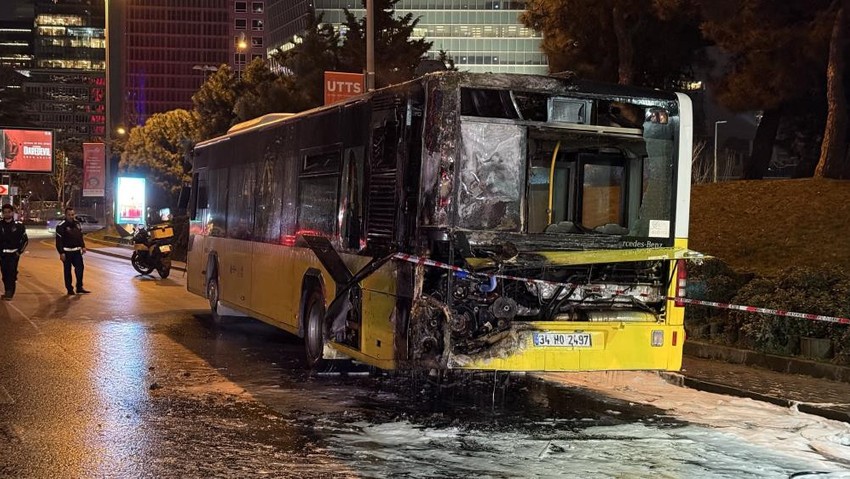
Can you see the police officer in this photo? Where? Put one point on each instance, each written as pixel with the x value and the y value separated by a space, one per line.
pixel 13 242
pixel 71 247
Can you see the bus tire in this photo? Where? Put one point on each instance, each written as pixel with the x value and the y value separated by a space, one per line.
pixel 213 296
pixel 314 330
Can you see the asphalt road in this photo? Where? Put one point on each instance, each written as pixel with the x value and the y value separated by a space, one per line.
pixel 136 380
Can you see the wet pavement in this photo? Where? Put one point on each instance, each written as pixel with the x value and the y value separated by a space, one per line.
pixel 137 380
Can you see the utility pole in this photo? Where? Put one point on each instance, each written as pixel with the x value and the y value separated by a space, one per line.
pixel 107 136
pixel 718 122
pixel 370 45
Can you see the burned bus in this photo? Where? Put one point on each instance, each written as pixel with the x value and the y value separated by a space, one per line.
pixel 457 221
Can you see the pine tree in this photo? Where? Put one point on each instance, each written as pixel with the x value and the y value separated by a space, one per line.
pixel 396 54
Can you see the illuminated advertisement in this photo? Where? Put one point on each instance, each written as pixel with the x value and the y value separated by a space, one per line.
pixel 26 151
pixel 94 173
pixel 130 201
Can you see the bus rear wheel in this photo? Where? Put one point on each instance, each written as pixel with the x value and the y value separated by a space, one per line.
pixel 314 330
pixel 213 293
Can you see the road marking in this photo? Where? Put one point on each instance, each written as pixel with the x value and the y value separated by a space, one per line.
pixel 12 305
pixel 5 397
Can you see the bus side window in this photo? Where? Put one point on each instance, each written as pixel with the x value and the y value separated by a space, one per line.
pixel 217 221
pixel 240 202
pixel 200 201
pixel 318 185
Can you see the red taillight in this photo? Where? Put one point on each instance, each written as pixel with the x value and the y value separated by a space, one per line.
pixel 681 280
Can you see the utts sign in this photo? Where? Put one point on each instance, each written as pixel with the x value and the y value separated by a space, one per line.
pixel 340 86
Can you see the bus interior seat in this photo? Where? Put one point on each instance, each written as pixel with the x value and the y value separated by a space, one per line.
pixel 562 227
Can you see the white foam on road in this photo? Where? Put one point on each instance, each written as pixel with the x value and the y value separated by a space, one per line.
pixel 723 437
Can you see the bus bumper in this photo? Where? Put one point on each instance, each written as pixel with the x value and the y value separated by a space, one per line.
pixel 568 346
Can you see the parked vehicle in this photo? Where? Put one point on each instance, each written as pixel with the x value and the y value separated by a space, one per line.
pixel 88 223
pixel 152 250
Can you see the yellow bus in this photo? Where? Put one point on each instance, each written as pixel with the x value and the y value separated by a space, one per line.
pixel 457 221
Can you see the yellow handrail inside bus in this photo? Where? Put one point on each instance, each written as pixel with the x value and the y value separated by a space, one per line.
pixel 552 181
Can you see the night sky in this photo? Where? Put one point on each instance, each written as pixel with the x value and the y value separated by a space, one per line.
pixel 16 10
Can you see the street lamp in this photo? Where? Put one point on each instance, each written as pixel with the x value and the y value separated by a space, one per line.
pixel 241 46
pixel 718 122
pixel 107 147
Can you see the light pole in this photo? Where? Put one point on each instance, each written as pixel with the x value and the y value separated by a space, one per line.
pixel 107 134
pixel 241 46
pixel 718 122
pixel 370 45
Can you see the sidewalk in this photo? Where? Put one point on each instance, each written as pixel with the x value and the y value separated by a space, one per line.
pixel 820 396
pixel 122 251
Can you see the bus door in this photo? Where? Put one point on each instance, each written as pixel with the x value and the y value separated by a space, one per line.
pixel 197 254
pixel 235 259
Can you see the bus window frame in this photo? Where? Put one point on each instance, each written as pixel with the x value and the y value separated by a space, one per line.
pixel 304 155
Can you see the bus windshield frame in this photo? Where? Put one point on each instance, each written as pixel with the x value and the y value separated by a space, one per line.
pixel 604 180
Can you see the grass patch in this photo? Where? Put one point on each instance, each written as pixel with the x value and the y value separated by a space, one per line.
pixel 765 226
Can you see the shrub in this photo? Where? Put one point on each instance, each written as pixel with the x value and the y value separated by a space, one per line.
pixel 824 291
pixel 712 280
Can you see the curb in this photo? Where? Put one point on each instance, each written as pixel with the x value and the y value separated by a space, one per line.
pixel 781 364
pixel 680 380
pixel 120 256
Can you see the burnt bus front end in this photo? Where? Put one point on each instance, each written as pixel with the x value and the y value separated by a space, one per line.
pixel 552 226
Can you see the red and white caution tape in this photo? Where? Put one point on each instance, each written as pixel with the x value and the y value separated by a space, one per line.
pixel 749 309
pixel 772 312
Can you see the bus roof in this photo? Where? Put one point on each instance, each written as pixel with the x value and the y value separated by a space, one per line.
pixel 556 84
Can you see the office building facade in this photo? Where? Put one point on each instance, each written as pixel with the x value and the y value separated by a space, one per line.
pixel 480 35
pixel 16 44
pixel 66 77
pixel 165 45
pixel 248 30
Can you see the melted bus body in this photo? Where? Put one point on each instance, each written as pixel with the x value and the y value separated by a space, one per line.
pixel 457 221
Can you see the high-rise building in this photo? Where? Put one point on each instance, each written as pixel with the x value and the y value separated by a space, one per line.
pixel 16 44
pixel 248 30
pixel 480 35
pixel 167 47
pixel 67 74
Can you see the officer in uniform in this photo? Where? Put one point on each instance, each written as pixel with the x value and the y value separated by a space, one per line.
pixel 13 242
pixel 71 247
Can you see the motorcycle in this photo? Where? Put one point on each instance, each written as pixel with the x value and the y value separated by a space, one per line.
pixel 152 250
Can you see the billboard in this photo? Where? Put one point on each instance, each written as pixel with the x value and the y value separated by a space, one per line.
pixel 340 86
pixel 130 201
pixel 26 151
pixel 94 173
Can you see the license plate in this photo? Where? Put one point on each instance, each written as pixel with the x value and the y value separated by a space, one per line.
pixel 165 248
pixel 566 340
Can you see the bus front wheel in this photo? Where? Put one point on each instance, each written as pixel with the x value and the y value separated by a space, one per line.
pixel 314 330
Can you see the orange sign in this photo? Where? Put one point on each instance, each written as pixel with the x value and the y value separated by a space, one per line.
pixel 340 86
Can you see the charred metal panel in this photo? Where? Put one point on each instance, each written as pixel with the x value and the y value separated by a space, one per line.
pixel 440 150
pixel 491 185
